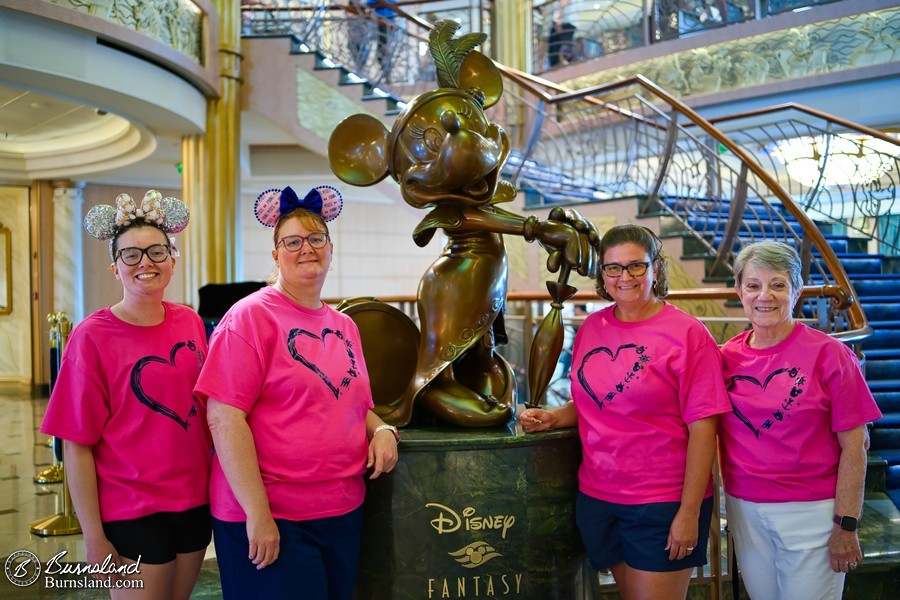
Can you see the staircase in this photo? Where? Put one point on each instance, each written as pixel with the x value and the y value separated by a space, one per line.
pixel 879 293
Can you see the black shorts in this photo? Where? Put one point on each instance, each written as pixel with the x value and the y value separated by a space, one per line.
pixel 636 534
pixel 159 537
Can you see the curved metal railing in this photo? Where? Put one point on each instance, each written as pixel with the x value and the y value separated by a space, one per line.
pixel 633 139
pixel 838 171
pixel 628 139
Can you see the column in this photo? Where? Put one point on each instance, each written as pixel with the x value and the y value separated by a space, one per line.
pixel 514 50
pixel 68 272
pixel 221 150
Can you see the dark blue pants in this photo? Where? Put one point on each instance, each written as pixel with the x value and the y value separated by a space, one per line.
pixel 317 560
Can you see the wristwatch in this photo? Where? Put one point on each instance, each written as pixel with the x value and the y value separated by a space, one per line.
pixel 846 523
pixel 390 428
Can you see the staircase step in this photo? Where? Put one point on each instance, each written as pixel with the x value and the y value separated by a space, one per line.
pixel 874 288
pixel 883 370
pixel 882 337
pixel 892 477
pixel 710 225
pixel 883 385
pixel 888 437
pixel 888 401
pixel 884 324
pixel 882 311
pixel 887 421
pixel 881 353
pixel 857 264
pixel 890 455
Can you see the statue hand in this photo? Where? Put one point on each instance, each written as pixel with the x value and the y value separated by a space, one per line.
pixel 572 239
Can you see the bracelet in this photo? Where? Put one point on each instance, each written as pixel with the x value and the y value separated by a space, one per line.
pixel 390 428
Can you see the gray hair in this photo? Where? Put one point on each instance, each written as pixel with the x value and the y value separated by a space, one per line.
pixel 772 256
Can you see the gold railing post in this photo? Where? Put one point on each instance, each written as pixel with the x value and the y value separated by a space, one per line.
pixel 64 522
pixel 53 473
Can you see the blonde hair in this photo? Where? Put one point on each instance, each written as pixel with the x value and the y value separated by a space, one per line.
pixel 309 220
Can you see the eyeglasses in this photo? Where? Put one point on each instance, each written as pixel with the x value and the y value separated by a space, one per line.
pixel 635 269
pixel 156 253
pixel 293 243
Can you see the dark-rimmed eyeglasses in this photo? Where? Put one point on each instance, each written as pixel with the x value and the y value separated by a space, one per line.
pixel 635 269
pixel 293 243
pixel 156 253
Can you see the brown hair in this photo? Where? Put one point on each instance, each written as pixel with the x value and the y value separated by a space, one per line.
pixel 646 239
pixel 138 224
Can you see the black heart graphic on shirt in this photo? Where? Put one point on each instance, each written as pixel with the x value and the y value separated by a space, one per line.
pixel 146 399
pixel 795 391
pixel 299 357
pixel 613 357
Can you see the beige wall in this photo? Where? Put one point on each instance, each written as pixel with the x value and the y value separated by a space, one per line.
pixel 374 254
pixel 15 328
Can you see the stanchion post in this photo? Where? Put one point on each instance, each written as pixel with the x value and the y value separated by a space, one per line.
pixel 64 523
pixel 53 473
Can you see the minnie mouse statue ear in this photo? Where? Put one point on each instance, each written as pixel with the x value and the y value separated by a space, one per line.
pixel 273 204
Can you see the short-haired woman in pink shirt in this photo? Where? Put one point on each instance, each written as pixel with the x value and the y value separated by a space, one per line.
pixel 793 448
pixel 290 411
pixel 646 397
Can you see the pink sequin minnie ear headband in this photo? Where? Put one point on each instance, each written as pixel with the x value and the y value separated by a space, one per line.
pixel 272 204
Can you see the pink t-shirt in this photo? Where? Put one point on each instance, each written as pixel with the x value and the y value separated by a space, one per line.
pixel 636 386
pixel 126 391
pixel 778 444
pixel 300 377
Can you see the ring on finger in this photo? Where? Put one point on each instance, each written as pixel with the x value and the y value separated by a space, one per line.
pixel 689 548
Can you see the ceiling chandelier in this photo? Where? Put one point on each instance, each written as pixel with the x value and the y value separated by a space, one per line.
pixel 835 160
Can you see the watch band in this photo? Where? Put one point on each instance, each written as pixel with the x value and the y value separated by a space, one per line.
pixel 390 428
pixel 846 523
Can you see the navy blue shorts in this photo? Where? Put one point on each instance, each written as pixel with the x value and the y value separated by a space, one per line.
pixel 317 559
pixel 159 537
pixel 636 534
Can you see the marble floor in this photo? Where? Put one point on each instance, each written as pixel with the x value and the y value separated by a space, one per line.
pixel 22 502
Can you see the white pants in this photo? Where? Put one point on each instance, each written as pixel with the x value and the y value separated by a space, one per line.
pixel 782 549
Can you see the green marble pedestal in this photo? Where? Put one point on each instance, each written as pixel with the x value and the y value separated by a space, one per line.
pixel 474 514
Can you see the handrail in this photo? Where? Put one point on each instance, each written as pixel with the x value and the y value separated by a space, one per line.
pixel 808 110
pixel 839 297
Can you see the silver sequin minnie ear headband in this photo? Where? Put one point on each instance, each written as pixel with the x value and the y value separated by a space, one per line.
pixel 105 222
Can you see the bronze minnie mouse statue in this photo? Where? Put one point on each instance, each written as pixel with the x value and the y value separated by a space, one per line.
pixel 447 157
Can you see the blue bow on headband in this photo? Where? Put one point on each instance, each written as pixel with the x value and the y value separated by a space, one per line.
pixel 289 201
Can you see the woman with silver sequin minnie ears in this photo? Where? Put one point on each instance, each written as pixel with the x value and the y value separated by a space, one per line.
pixel 137 450
pixel 290 411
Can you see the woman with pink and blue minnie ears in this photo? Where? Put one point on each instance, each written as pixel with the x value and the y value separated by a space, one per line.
pixel 290 411
pixel 793 448
pixel 136 447
pixel 646 398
